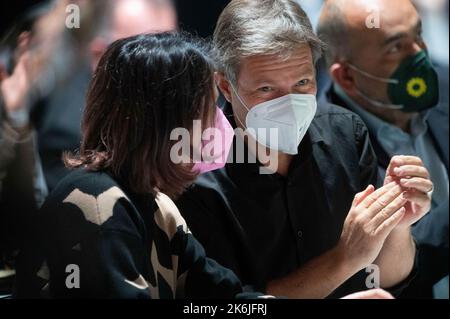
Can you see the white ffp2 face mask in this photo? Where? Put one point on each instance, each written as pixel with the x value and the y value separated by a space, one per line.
pixel 289 115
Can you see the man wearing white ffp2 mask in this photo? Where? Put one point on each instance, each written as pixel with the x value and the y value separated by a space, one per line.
pixel 291 115
pixel 291 233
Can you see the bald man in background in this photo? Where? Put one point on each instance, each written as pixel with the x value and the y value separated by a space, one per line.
pixel 131 17
pixel 381 70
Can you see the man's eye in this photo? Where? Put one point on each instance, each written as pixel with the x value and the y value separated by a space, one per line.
pixel 395 49
pixel 303 82
pixel 419 37
pixel 265 89
pixel 420 33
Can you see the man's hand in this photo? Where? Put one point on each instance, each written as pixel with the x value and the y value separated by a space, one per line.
pixel 410 173
pixel 14 88
pixel 373 216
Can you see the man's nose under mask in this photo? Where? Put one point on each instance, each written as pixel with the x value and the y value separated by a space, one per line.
pixel 413 87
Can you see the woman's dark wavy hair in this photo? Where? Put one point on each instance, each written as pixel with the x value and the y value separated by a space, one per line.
pixel 144 87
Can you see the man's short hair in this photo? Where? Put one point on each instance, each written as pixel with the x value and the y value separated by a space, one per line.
pixel 261 27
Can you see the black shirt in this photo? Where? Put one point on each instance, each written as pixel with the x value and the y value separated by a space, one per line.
pixel 265 226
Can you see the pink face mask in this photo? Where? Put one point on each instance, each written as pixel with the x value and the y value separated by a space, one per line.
pixel 216 145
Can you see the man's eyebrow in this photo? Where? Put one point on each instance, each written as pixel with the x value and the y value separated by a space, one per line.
pixel 394 38
pixel 264 81
pixel 400 35
pixel 419 26
pixel 269 81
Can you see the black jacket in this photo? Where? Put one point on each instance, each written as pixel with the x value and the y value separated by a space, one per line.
pixel 94 238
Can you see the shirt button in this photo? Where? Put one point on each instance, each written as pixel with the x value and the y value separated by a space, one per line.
pixel 300 234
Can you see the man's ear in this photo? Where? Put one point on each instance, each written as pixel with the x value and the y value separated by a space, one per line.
pixel 342 75
pixel 3 73
pixel 23 42
pixel 224 85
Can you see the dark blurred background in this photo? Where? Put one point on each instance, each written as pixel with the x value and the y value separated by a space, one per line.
pixel 198 16
pixel 11 10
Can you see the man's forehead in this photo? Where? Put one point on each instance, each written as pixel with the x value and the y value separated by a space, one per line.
pixel 371 27
pixel 372 17
pixel 362 9
pixel 393 23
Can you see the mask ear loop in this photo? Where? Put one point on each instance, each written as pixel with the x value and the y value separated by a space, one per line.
pixel 239 97
pixel 242 102
pixel 370 100
pixel 371 76
pixel 379 104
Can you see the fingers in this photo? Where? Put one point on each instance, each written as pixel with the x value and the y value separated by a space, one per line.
pixel 393 164
pixel 386 203
pixel 411 170
pixel 401 160
pixel 419 184
pixel 368 201
pixel 361 196
pixel 406 167
pixel 406 160
pixel 417 198
pixel 389 224
pixel 383 215
pixel 370 294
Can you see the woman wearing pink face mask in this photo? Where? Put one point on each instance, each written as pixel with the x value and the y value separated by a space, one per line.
pixel 110 229
pixel 113 218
